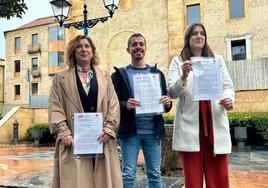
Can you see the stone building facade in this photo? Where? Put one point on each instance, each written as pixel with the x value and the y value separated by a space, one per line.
pixel 32 58
pixel 225 34
pixel 162 22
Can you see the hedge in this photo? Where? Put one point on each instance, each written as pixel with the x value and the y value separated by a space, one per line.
pixel 256 123
pixel 47 137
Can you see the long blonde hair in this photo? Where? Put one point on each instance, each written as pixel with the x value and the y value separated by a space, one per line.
pixel 73 44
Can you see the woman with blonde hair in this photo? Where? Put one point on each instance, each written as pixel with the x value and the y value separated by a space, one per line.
pixel 82 88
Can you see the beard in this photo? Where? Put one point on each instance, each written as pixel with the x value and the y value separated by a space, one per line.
pixel 138 55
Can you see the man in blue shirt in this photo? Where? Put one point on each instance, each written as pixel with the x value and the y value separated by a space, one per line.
pixel 135 131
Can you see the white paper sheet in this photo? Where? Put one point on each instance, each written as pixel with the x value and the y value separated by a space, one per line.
pixel 207 78
pixel 148 90
pixel 87 129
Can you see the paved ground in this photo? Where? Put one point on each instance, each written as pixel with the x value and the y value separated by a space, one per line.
pixel 31 167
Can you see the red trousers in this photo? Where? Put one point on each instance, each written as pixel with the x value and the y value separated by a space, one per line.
pixel 198 164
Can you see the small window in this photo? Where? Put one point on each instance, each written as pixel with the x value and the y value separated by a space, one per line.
pixel 238 49
pixel 35 40
pixel 17 92
pixel 34 88
pixel 17 66
pixel 193 14
pixel 35 63
pixel 17 45
pixel 55 59
pixel 55 33
pixel 236 8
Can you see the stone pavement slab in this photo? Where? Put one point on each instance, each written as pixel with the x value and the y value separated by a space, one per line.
pixel 32 168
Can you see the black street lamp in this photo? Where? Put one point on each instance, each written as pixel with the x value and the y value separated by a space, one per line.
pixel 61 11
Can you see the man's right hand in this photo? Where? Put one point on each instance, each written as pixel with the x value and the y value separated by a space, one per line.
pixel 132 103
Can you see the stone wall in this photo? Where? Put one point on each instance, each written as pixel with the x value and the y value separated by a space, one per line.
pixel 147 17
pixel 215 16
pixel 26 117
pixel 251 101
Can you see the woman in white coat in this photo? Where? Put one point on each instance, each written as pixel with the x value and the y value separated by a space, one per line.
pixel 201 131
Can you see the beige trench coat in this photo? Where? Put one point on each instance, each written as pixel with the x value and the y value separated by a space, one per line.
pixel 64 101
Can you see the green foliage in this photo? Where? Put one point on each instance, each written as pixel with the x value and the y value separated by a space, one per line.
pixel 35 126
pixel 12 8
pixel 168 119
pixel 256 122
pixel 47 137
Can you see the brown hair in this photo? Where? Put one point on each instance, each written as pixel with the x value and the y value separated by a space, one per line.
pixel 73 44
pixel 135 35
pixel 186 53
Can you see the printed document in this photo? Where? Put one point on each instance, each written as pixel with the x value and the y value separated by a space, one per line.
pixel 207 78
pixel 148 90
pixel 87 129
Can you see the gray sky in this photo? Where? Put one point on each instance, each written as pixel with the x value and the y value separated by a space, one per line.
pixel 36 9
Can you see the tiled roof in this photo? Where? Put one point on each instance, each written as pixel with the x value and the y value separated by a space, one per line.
pixel 38 22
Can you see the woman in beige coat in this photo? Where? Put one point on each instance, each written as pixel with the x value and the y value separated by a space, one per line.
pixel 83 87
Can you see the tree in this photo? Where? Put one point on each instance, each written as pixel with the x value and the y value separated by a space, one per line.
pixel 12 8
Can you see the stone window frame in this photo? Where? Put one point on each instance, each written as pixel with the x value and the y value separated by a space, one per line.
pixel 56 33
pixel 35 40
pixel 57 55
pixel 187 13
pixel 17 72
pixel 17 95
pixel 229 39
pixel 32 67
pixel 17 45
pixel 243 9
pixel 17 64
pixel 227 8
pixel 189 3
pixel 35 89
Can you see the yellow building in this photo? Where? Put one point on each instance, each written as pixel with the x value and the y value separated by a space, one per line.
pixel 34 52
pixel 236 29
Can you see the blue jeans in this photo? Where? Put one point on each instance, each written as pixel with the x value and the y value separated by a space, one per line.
pixel 151 147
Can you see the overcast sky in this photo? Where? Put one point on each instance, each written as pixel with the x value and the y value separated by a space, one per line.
pixel 36 9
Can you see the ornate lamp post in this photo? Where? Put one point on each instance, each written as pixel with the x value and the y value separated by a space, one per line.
pixel 61 11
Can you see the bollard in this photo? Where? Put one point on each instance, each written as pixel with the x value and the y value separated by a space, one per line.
pixel 15 132
pixel 240 135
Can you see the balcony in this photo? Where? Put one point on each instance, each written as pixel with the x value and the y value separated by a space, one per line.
pixel 36 72
pixel 34 49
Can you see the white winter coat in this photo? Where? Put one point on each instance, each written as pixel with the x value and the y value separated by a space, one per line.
pixel 186 128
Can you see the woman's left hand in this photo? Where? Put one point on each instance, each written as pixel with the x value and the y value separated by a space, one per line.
pixel 104 137
pixel 227 103
pixel 165 100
